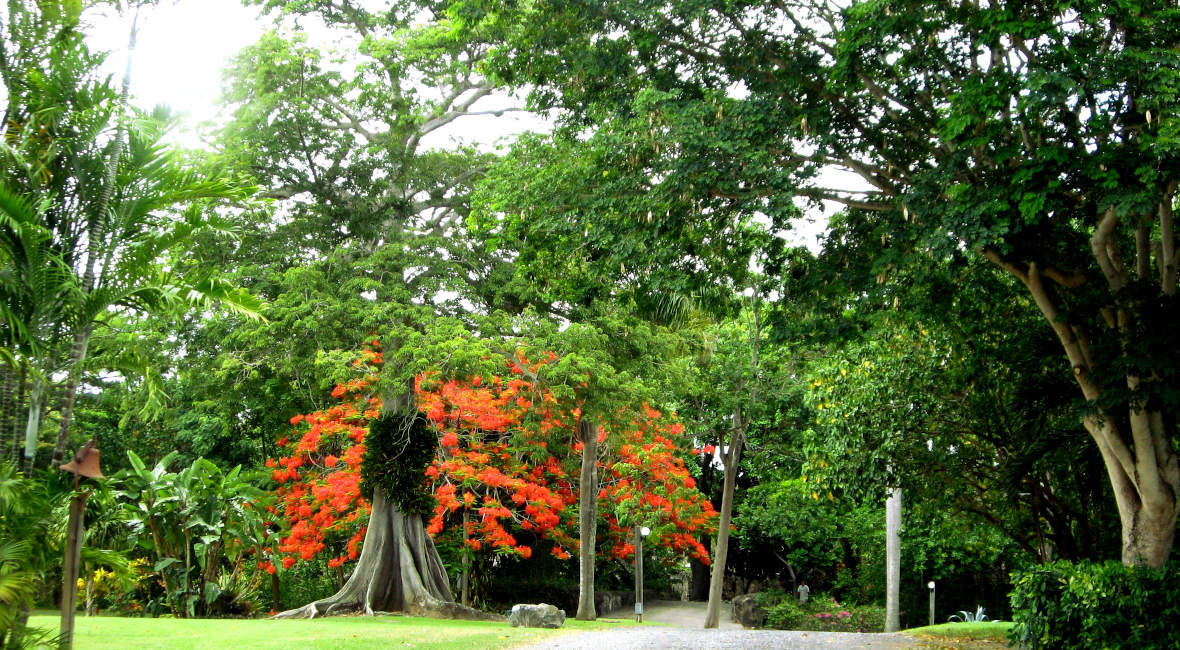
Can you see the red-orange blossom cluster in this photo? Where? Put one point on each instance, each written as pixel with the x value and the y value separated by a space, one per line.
pixel 505 467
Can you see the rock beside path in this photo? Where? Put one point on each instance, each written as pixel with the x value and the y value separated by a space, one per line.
pixel 747 612
pixel 542 615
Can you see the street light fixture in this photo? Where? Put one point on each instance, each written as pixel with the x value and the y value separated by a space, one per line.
pixel 930 585
pixel 640 533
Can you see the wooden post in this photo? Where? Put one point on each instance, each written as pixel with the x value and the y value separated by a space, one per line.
pixel 69 586
pixel 84 464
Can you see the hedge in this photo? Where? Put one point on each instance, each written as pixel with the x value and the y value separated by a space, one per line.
pixel 1088 605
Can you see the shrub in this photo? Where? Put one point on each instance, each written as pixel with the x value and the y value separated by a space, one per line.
pixel 1063 605
pixel 820 614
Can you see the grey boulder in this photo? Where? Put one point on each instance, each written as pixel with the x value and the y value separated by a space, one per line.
pixel 541 615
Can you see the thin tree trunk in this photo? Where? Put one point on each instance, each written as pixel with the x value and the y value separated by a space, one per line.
pixel 465 597
pixel 893 560
pixel 8 410
pixel 94 243
pixel 77 357
pixel 732 458
pixel 89 590
pixel 699 583
pixel 587 519
pixel 33 424
pixel 17 425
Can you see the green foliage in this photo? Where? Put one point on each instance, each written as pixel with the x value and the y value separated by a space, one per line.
pixel 27 549
pixel 398 448
pixel 200 526
pixel 306 582
pixel 1032 135
pixel 1108 605
pixel 821 613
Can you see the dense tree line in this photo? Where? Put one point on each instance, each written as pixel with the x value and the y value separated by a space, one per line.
pixel 984 323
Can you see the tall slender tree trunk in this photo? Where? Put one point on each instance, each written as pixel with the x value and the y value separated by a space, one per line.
pixel 732 457
pixel 698 586
pixel 96 234
pixel 587 519
pixel 18 428
pixel 9 445
pixel 33 424
pixel 77 357
pixel 893 560
pixel 464 587
pixel 89 578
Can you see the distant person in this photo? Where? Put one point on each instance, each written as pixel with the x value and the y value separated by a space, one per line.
pixel 804 591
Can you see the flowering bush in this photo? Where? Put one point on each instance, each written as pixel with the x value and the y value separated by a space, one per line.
pixel 820 613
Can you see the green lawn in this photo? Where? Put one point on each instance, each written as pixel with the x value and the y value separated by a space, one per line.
pixel 964 636
pixel 334 632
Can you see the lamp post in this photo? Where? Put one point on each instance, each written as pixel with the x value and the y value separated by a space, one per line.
pixel 930 585
pixel 640 533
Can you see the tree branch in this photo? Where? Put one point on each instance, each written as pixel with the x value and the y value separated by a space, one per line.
pixel 1105 251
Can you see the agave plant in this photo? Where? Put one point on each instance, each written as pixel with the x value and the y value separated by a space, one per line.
pixel 966 616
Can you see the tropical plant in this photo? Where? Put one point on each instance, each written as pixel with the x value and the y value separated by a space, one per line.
pixel 199 525
pixel 30 534
pixel 966 616
pixel 113 205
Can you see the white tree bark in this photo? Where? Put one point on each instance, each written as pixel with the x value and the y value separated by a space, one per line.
pixel 892 560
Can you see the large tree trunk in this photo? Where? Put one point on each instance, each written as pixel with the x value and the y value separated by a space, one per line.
pixel 893 561
pixel 587 519
pixel 1147 507
pixel 732 458
pixel 1136 444
pixel 398 571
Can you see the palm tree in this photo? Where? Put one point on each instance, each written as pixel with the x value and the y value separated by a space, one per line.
pixel 27 549
pixel 113 205
pixel 156 206
pixel 37 290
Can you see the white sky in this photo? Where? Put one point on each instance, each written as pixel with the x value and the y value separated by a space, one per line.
pixel 181 49
pixel 183 45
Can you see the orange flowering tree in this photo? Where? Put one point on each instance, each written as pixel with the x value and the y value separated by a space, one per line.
pixel 505 469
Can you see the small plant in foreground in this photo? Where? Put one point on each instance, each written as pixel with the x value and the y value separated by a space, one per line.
pixel 966 616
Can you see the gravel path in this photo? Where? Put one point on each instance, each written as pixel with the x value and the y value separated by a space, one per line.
pixel 681 630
